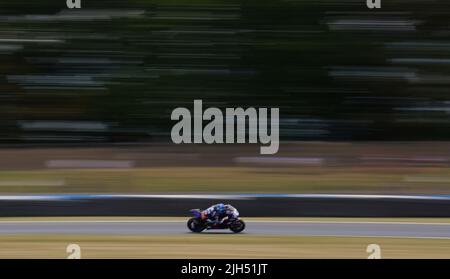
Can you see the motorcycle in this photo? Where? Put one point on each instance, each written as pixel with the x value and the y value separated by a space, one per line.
pixel 197 224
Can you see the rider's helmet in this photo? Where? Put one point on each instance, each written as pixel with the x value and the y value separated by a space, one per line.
pixel 220 208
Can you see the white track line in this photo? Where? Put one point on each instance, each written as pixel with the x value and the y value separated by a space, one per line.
pixel 249 222
pixel 352 222
pixel 379 236
pixel 62 197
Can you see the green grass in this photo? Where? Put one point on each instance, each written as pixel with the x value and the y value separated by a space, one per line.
pixel 227 179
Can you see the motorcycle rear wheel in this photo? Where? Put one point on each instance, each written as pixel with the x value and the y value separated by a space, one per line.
pixel 195 225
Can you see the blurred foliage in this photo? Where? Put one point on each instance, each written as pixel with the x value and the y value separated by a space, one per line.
pixel 114 70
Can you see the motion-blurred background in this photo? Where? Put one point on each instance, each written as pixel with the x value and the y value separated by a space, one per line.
pixel 86 95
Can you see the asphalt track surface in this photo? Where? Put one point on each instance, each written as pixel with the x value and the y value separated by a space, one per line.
pixel 284 228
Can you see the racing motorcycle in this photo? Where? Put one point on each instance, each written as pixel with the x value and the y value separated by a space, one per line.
pixel 197 225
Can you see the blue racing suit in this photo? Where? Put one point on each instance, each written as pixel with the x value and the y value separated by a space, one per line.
pixel 218 212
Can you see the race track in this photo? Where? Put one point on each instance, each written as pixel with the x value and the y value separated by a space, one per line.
pixel 172 227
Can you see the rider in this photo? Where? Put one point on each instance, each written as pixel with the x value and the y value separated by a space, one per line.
pixel 218 212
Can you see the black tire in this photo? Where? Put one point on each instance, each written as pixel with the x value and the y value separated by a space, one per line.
pixel 195 225
pixel 237 226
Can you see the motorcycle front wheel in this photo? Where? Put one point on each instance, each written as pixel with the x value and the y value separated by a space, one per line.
pixel 237 226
